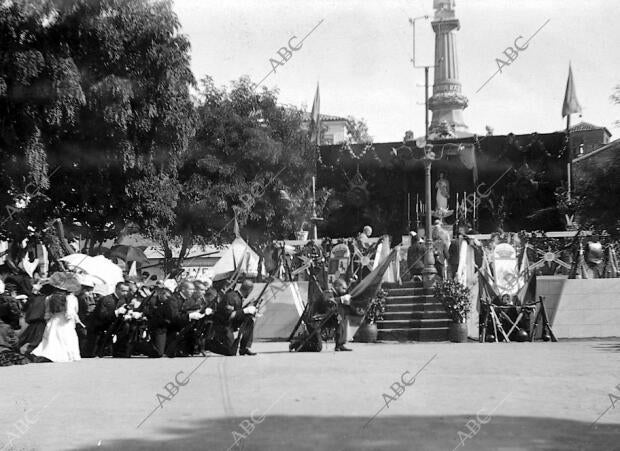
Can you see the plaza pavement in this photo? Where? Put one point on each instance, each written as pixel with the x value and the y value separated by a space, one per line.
pixel 528 396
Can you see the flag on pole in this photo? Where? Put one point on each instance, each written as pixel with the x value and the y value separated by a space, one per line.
pixel 315 118
pixel 571 104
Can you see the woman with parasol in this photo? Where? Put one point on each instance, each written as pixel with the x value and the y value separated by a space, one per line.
pixel 60 340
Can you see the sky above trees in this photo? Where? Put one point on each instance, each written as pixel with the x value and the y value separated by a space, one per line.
pixel 361 54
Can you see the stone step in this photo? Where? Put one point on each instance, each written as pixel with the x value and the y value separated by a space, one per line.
pixel 426 334
pixel 409 299
pixel 409 315
pixel 414 307
pixel 406 291
pixel 426 323
pixel 392 285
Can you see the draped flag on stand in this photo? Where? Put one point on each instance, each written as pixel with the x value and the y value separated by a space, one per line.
pixel 367 289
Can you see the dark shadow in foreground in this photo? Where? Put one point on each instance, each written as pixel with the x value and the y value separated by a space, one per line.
pixel 383 433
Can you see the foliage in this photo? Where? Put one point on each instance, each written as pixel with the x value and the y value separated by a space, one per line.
pixel 455 298
pixel 376 308
pixel 615 98
pixel 99 91
pixel 357 131
pixel 597 197
pixel 300 208
pixel 247 149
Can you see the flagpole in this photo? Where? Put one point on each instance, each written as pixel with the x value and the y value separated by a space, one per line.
pixel 568 151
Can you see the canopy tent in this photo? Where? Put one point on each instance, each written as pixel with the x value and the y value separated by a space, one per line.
pixel 283 304
pixel 239 253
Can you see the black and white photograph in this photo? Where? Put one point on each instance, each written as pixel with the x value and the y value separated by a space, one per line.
pixel 316 225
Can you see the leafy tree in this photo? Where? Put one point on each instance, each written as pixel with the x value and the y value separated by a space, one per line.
pixel 97 90
pixel 597 196
pixel 246 151
pixel 615 98
pixel 357 131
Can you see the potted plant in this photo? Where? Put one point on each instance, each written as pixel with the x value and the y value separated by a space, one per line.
pixel 367 333
pixel 455 298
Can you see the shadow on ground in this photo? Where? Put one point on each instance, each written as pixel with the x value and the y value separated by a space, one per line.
pixel 387 433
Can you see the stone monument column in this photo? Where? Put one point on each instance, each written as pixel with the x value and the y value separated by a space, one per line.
pixel 447 103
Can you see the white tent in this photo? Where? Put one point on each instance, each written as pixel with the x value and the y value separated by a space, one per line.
pixel 239 253
pixel 282 305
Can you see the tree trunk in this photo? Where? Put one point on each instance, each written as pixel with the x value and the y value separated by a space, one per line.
pixel 185 247
pixel 168 263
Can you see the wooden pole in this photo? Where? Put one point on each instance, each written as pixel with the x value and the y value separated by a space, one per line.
pixel 569 153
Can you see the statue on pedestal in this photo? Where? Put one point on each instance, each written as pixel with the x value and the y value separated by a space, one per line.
pixel 443 192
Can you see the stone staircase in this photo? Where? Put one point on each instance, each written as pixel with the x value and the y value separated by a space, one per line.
pixel 412 315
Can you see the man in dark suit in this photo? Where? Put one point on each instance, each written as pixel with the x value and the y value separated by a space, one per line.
pixel 107 309
pixel 171 337
pixel 337 298
pixel 207 298
pixel 230 315
pixel 415 254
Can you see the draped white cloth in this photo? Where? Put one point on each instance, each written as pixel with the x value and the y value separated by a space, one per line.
pixel 467 275
pixel 60 341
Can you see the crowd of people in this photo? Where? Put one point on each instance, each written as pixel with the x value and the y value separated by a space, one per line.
pixel 62 320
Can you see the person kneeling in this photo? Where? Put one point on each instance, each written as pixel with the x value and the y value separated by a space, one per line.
pixel 230 316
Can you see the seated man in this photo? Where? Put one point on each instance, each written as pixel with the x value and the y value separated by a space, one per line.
pixel 231 316
pixel 338 299
pixel 415 254
pixel 364 237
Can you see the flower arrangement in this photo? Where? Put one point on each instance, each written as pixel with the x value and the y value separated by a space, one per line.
pixel 376 308
pixel 455 298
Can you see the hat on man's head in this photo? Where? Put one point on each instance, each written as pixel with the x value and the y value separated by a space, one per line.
pixel 413 234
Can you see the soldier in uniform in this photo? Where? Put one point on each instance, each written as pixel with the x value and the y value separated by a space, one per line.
pixel 230 316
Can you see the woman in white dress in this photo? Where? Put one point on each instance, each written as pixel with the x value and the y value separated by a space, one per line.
pixel 60 341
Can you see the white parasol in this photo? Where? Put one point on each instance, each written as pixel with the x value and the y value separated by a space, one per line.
pixel 106 273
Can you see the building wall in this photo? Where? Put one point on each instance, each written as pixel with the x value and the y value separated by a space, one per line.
pixel 591 140
pixel 335 133
pixel 602 157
